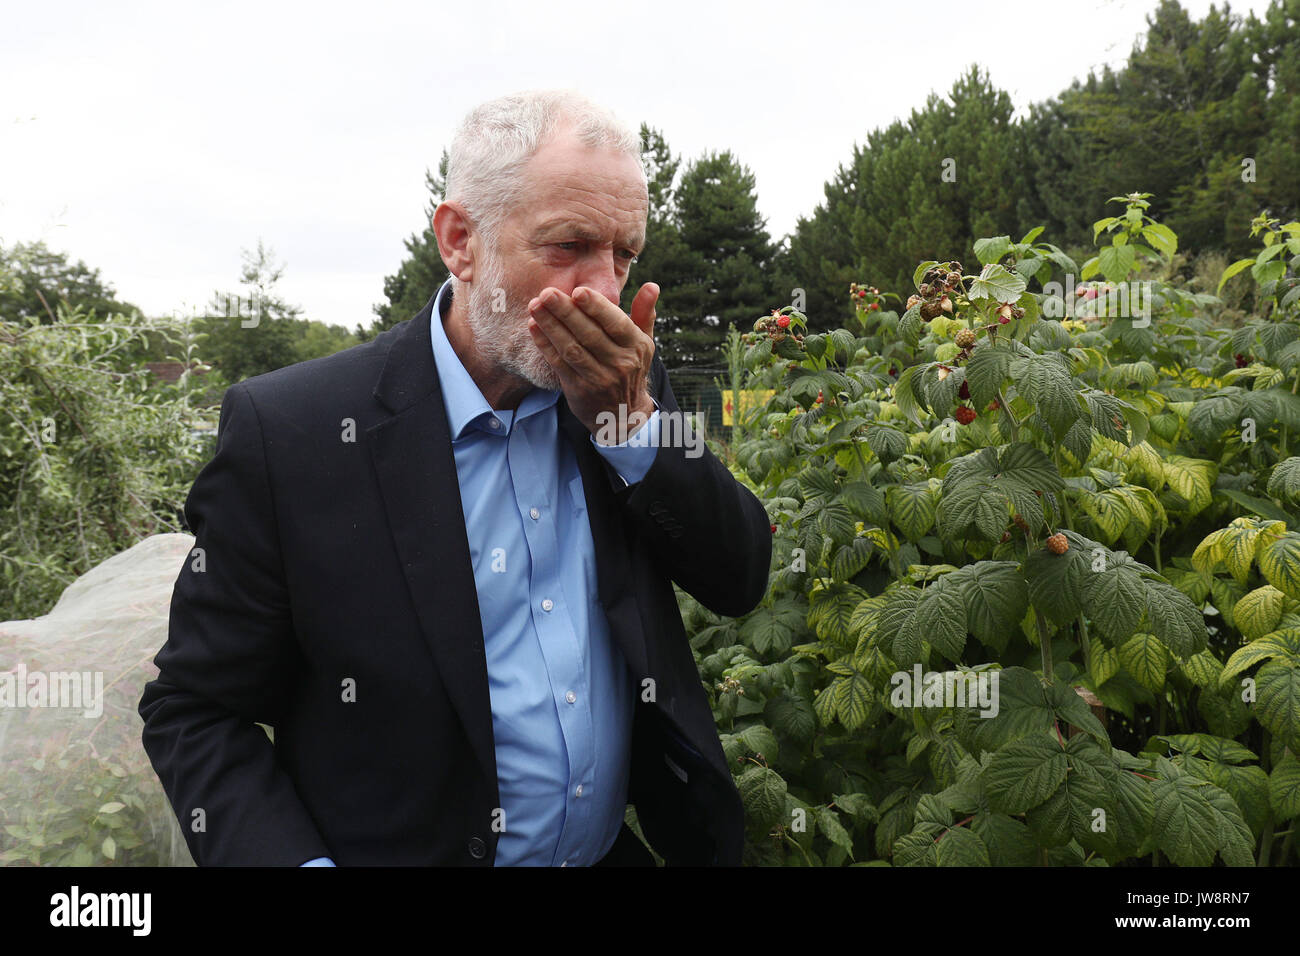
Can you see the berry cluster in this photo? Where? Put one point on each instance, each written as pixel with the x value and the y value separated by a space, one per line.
pixel 934 288
pixel 858 292
pixel 775 326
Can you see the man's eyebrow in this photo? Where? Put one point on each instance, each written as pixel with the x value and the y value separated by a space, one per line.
pixel 567 227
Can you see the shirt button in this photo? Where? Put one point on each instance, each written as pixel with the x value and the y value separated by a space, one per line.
pixel 477 848
pixel 578 792
pixel 571 697
pixel 494 423
pixel 547 604
pixel 534 513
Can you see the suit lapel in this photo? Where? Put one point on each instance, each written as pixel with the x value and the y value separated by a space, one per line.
pixel 416 470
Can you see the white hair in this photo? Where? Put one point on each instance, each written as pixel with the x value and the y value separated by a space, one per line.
pixel 496 140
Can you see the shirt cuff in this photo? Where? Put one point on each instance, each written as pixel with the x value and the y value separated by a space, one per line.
pixel 319 861
pixel 633 458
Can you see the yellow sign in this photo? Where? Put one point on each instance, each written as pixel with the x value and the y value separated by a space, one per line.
pixel 749 400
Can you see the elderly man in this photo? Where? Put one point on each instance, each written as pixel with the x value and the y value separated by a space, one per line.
pixel 431 569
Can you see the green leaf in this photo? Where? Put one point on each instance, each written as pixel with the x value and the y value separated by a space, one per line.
pixel 1146 659
pixel 996 598
pixel 904 397
pixel 1114 599
pixel 911 508
pixel 1284 789
pixel 1046 383
pixel 991 250
pixel 1115 262
pixel 1258 612
pixel 958 846
pixel 920 272
pixel 763 792
pixel 1284 483
pixel 1103 662
pixel 771 630
pixel 1232 270
pixel 1278 702
pixel 1186 825
pixel 1024 773
pixel 995 282
pixel 1279 561
pixel 110 847
pixel 1172 616
pixel 1191 479
pixel 1283 644
pixel 760 740
pixel 1161 238
pixel 1057 582
pixel 828 822
pixel 986 370
pixel 888 444
pixel 1008 840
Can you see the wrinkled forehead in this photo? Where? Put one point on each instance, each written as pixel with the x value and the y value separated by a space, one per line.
pixel 600 190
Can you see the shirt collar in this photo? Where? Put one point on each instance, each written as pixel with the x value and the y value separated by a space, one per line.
pixel 466 407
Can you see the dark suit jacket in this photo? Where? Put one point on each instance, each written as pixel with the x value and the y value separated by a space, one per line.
pixel 326 560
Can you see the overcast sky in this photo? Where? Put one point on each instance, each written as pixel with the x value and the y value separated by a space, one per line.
pixel 154 140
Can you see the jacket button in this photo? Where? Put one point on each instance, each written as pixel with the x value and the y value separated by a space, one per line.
pixel 477 848
pixel 657 508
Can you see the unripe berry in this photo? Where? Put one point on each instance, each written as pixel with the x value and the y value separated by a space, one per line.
pixel 965 339
pixel 1058 544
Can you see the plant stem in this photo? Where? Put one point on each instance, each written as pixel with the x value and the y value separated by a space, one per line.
pixel 1044 646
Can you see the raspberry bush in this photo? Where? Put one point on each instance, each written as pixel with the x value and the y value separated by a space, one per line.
pixel 1113 533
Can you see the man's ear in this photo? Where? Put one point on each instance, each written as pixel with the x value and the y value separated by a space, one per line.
pixel 452 229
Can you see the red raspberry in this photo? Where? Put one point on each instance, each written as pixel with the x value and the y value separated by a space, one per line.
pixel 819 399
pixel 966 414
pixel 1058 544
pixel 1241 360
pixel 774 529
pixel 783 321
pixel 874 307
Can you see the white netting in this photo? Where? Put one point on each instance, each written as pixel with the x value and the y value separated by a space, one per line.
pixel 76 787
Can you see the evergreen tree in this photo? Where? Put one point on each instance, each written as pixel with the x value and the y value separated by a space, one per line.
pixel 727 251
pixel 421 272
pixel 665 259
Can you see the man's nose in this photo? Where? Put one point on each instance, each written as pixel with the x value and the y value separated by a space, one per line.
pixel 601 276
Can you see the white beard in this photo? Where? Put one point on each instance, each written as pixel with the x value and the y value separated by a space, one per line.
pixel 503 336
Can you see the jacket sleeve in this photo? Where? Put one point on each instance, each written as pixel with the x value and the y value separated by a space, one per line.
pixel 709 532
pixel 228 665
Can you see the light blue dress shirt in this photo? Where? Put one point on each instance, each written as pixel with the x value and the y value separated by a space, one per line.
pixel 562 697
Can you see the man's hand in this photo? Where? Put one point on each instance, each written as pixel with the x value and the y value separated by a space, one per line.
pixel 601 355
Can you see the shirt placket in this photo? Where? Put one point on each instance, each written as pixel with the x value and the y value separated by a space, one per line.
pixel 540 498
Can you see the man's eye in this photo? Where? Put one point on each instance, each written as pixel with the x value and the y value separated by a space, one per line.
pixel 563 244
